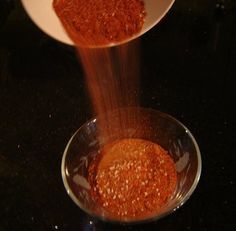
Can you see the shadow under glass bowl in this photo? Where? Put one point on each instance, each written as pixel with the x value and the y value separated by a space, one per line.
pixel 142 123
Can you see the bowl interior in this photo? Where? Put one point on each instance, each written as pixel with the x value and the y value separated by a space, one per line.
pixel 142 123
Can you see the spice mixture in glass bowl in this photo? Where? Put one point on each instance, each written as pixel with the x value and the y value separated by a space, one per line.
pixel 132 178
pixel 144 166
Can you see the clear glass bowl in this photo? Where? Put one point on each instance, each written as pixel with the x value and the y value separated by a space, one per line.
pixel 142 123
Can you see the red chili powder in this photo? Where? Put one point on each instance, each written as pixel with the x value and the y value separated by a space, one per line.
pixel 100 22
pixel 132 178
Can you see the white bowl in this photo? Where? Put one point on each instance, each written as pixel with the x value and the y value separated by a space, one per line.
pixel 43 15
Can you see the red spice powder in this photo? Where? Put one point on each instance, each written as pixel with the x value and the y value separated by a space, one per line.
pixel 100 22
pixel 132 178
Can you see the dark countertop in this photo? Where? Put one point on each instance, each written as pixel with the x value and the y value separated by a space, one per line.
pixel 188 63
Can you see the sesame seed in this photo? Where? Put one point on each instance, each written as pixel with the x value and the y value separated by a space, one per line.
pixel 112 167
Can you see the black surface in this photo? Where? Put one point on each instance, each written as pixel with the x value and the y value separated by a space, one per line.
pixel 188 66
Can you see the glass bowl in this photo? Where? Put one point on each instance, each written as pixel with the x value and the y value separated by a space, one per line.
pixel 148 124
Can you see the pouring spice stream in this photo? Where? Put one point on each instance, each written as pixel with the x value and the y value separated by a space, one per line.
pixel 129 178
